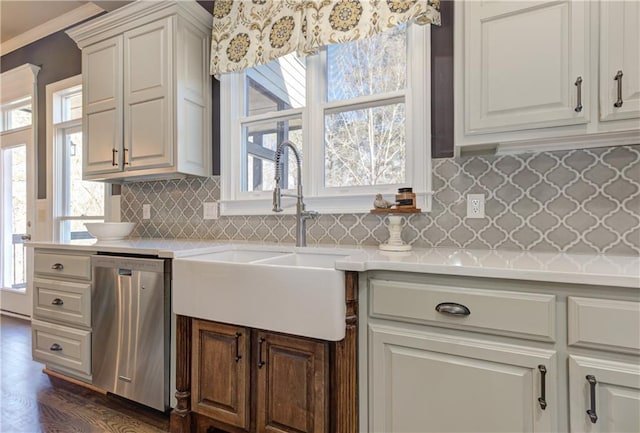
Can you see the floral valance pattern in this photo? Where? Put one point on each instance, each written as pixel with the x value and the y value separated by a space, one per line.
pixel 247 33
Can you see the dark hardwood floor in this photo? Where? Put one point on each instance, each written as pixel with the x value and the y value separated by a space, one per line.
pixel 31 401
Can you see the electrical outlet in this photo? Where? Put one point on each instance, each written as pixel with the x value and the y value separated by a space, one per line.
pixel 210 211
pixel 146 211
pixel 475 206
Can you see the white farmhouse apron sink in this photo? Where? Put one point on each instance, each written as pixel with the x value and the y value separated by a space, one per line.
pixel 296 291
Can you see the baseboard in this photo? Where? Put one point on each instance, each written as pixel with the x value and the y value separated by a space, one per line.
pixel 61 376
pixel 15 315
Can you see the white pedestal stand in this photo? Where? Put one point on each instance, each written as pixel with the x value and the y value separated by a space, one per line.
pixel 395 242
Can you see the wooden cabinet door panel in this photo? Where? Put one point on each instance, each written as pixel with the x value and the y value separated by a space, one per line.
pixel 292 384
pixel 220 373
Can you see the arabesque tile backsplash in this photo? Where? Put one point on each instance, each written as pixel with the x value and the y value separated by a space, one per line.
pixel 579 201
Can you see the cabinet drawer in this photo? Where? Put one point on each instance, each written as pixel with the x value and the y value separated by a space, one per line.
pixel 61 346
pixel 62 301
pixel 604 323
pixel 63 265
pixel 527 314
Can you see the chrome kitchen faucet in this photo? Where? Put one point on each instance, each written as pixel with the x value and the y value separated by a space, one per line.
pixel 302 215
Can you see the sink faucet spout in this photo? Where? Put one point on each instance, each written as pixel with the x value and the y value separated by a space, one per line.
pixel 301 213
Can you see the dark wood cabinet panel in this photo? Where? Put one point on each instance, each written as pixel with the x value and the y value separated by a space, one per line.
pixel 220 373
pixel 292 384
pixel 280 383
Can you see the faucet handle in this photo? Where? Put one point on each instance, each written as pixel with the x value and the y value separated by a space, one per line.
pixel 310 214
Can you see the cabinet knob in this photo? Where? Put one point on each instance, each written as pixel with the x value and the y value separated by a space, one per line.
pixel 57 267
pixel 57 301
pixel 55 347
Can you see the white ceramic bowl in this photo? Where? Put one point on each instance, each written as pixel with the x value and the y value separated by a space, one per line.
pixel 110 231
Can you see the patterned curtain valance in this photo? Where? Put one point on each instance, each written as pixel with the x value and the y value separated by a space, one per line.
pixel 247 33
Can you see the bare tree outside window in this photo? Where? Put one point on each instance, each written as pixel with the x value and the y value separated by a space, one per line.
pixel 366 146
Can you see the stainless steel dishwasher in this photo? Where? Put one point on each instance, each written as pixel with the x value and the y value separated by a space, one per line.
pixel 131 328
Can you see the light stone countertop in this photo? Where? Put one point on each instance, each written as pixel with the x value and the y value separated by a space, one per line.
pixel 602 270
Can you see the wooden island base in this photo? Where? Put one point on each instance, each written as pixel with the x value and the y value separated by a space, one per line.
pixel 331 382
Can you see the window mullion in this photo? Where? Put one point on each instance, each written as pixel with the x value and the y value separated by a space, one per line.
pixel 314 128
pixel 418 100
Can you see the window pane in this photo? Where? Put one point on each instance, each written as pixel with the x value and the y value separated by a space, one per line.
pixel 17 116
pixel 367 67
pixel 262 140
pixel 72 106
pixel 14 196
pixel 365 147
pixel 75 229
pixel 85 197
pixel 279 85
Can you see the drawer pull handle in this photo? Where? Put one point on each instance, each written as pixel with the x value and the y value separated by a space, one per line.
pixel 57 267
pixel 238 356
pixel 593 416
pixel 453 309
pixel 57 301
pixel 543 391
pixel 618 78
pixel 260 361
pixel 578 84
pixel 55 347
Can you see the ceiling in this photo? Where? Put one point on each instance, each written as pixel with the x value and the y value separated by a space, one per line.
pixel 20 16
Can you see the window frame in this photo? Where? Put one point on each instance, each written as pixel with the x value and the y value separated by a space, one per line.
pixel 357 199
pixel 57 168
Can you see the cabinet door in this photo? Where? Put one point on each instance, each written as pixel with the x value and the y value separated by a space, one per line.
pixel 292 384
pixel 220 372
pixel 102 99
pixel 612 387
pixel 148 100
pixel 424 382
pixel 619 55
pixel 521 63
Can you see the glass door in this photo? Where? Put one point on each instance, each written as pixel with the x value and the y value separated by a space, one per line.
pixel 16 210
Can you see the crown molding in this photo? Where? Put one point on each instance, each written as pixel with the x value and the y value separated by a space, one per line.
pixel 54 25
pixel 138 13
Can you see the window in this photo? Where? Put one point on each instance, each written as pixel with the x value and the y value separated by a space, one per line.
pixel 16 114
pixel 75 201
pixel 358 112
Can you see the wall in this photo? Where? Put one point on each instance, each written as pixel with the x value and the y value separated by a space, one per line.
pixel 579 201
pixel 58 58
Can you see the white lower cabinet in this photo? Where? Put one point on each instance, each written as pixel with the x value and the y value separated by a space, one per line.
pixel 458 354
pixel 430 382
pixel 61 327
pixel 604 395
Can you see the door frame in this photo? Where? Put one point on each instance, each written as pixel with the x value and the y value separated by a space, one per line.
pixel 12 301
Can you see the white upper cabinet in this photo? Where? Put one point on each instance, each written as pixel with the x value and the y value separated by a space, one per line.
pixel 102 114
pixel 148 91
pixel 541 75
pixel 619 60
pixel 526 64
